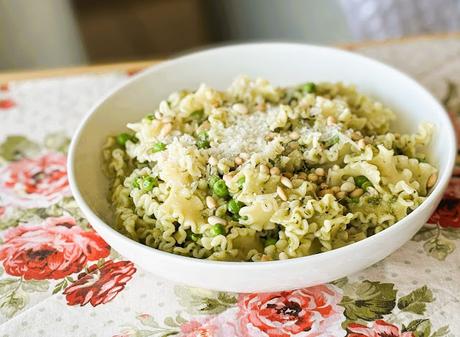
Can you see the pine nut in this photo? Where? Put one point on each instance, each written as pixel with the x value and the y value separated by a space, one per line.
pixel 244 156
pixel 288 175
pixel 331 120
pixel 432 180
pixel 320 171
pixel 322 193
pixel 323 186
pixel 240 108
pixel 347 187
pixel 361 144
pixel 313 177
pixel 210 202
pixel 275 171
pixel 357 193
pixel 165 129
pixel 302 175
pixel 214 220
pixel 356 135
pixel 281 193
pixel 294 135
pixel 212 161
pixel 264 169
pixel 340 195
pixel 238 161
pixel 335 189
pixel 286 182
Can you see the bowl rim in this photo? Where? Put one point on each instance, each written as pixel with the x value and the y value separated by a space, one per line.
pixel 443 177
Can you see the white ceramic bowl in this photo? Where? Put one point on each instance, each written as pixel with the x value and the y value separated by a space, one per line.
pixel 282 64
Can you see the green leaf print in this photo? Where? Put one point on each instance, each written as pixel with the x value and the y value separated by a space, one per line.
pixel 7 285
pixel 18 147
pixel 416 300
pixel 369 300
pixel 200 301
pixel 425 233
pixel 442 331
pixel 57 141
pixel 451 233
pixel 419 327
pixel 35 286
pixel 439 247
pixel 12 302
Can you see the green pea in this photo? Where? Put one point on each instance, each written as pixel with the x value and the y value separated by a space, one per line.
pixel 122 138
pixel 241 181
pixel 203 140
pixel 220 188
pixel 309 87
pixel 332 141
pixel 234 206
pixel 192 236
pixel 203 144
pixel 362 182
pixel 137 182
pixel 213 180
pixel 148 183
pixel 217 229
pixel 270 241
pixel 158 147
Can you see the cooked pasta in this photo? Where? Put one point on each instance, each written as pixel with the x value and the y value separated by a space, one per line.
pixel 259 173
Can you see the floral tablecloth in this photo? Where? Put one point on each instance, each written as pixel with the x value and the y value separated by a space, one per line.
pixel 59 278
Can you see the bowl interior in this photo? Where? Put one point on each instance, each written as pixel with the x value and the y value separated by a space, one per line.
pixel 281 64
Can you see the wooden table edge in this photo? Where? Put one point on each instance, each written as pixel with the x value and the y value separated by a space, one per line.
pixel 138 65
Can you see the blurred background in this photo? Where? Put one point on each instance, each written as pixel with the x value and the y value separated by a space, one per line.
pixel 57 33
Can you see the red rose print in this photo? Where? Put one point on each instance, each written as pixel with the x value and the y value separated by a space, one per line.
pixel 223 325
pixel 52 250
pixel 100 284
pixel 6 103
pixel 378 329
pixel 448 212
pixel 38 182
pixel 293 313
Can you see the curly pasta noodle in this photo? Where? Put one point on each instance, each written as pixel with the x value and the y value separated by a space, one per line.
pixel 259 173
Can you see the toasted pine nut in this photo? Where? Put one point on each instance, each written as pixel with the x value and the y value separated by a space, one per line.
pixel 264 169
pixel 357 193
pixel 340 195
pixel 322 193
pixel 212 161
pixel 214 220
pixel 210 202
pixel 238 161
pixel 335 189
pixel 432 180
pixel 165 129
pixel 288 175
pixel 240 108
pixel 320 171
pixel 313 177
pixel 302 175
pixel 294 135
pixel 331 120
pixel 244 156
pixel 286 182
pixel 281 193
pixel 275 171
pixel 347 187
